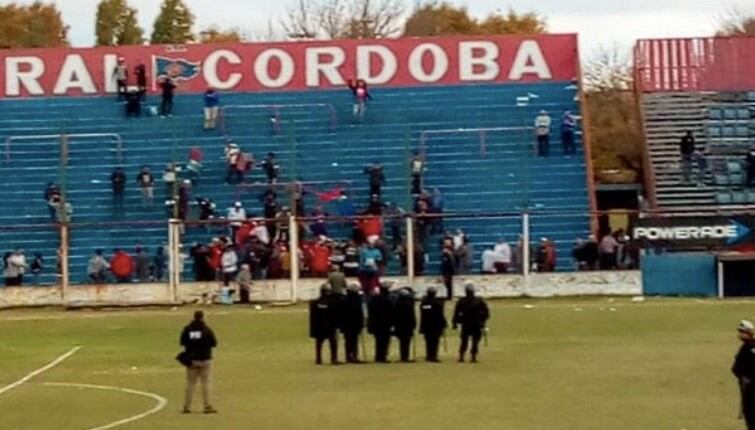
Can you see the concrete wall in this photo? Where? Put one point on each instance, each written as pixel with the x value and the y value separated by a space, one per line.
pixel 541 285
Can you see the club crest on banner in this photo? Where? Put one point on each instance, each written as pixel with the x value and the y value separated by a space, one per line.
pixel 178 69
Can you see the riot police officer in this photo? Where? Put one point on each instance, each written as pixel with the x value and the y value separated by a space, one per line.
pixel 323 323
pixel 380 323
pixel 405 322
pixel 471 313
pixel 744 370
pixel 432 323
pixel 352 322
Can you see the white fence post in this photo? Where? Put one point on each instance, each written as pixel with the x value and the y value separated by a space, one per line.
pixel 174 255
pixel 410 250
pixel 293 247
pixel 526 249
pixel 64 261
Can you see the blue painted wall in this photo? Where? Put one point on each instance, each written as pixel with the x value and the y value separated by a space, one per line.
pixel 679 275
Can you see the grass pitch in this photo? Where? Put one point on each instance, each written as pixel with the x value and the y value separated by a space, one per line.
pixel 564 364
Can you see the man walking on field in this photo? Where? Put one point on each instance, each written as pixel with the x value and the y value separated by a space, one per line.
pixel 198 340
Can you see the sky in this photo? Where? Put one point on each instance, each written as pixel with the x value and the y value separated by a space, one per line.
pixel 599 23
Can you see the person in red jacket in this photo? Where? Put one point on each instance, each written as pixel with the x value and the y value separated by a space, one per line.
pixel 320 259
pixel 371 226
pixel 216 256
pixel 122 266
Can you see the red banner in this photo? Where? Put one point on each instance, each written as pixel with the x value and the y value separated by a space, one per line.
pixel 248 67
pixel 701 64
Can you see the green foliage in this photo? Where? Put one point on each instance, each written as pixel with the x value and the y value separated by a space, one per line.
pixel 442 19
pixel 37 25
pixel 216 35
pixel 116 24
pixel 173 24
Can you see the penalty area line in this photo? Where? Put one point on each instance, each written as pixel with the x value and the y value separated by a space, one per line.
pixel 159 405
pixel 39 371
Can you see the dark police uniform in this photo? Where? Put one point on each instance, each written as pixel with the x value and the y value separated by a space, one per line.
pixel 405 322
pixel 432 324
pixel 744 370
pixel 380 323
pixel 198 340
pixel 352 323
pixel 323 323
pixel 471 313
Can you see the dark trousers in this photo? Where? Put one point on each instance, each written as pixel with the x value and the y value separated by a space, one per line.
pixel 567 140
pixel 332 343
pixel 431 346
pixel 352 346
pixel 416 184
pixel 543 145
pixel 166 108
pixel 122 88
pixel 382 343
pixel 405 347
pixel 234 175
pixel 750 176
pixel 375 189
pixel 118 200
pixel 748 406
pixel 448 281
pixel 466 335
pixel 607 261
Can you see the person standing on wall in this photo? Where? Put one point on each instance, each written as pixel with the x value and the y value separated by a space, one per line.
pixel 198 340
pixel 118 181
pixel 211 108
pixel 543 132
pixel 120 73
pixel 432 323
pixel 686 150
pixel 471 314
pixel 568 125
pixel 140 71
pixel 417 166
pixel 168 89
pixel 147 184
pixel 744 370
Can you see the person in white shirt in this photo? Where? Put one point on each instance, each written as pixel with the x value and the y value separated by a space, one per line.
pixel 503 252
pixel 543 131
pixel 260 231
pixel 458 239
pixel 489 258
pixel 236 214
pixel 230 262
pixel 15 269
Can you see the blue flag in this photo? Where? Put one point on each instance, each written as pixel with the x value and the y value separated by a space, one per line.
pixel 175 68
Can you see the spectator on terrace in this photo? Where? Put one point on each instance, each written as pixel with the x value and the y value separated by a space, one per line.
pixel 236 215
pixel 608 248
pixel 37 265
pixel 62 210
pixel 464 256
pixel 120 74
pixel 546 256
pixel 168 87
pixel 147 184
pixel 437 204
pixel 361 97
pixel 489 258
pixel 52 192
pixel 229 261
pixel 216 257
pixel 701 164
pixel 122 266
pixel 143 263
pixel 369 260
pixel 170 176
pixel 244 279
pixel 194 165
pixel 211 108
pixel 337 280
pixel 417 170
pixel 271 168
pixel 140 71
pixel 206 208
pixel 200 253
pixel 376 178
pixel 568 126
pixel 15 268
pixel 118 181
pixel 542 132
pixel 97 267
pixel 396 222
pixel 448 268
pixel 351 259
pixel 159 263
pixel 686 150
pixel 375 206
pixel 318 228
pixel 750 161
pixel 133 104
pixel 502 251
pixel 320 258
pixel 591 252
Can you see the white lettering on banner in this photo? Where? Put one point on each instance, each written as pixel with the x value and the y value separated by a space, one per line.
pixel 314 66
pixel 440 63
pixel 529 60
pixel 15 79
pixel 488 61
pixel 74 75
pixel 109 61
pixel 686 233
pixel 210 70
pixel 364 64
pixel 262 68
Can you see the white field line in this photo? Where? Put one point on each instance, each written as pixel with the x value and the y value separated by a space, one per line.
pixel 40 370
pixel 159 405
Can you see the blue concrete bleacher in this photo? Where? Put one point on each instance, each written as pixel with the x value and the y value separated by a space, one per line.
pixel 500 178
